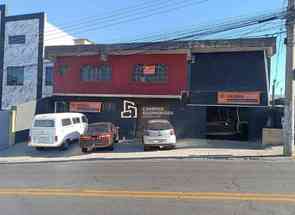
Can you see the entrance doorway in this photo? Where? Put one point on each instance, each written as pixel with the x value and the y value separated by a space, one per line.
pixel 226 123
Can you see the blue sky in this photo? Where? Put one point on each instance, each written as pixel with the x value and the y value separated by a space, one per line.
pixel 69 13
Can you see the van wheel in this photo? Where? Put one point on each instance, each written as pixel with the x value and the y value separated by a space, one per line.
pixel 65 145
pixel 40 148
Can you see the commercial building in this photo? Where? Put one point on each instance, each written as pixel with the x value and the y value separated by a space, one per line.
pixel 203 87
pixel 24 74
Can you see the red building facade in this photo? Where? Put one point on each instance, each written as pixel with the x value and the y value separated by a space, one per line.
pixel 121 75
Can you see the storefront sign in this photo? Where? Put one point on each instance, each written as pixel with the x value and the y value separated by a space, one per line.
pixel 129 110
pixel 85 106
pixel 156 112
pixel 245 98
pixel 149 69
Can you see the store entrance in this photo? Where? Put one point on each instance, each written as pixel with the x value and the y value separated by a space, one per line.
pixel 226 123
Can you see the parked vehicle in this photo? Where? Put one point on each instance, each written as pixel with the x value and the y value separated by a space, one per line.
pixel 160 134
pixel 57 129
pixel 99 135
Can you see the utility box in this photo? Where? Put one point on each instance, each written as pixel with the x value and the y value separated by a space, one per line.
pixel 272 136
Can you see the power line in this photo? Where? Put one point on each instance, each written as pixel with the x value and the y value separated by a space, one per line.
pixel 137 15
pixel 221 28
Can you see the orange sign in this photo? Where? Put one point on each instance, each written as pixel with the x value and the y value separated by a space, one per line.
pixel 85 107
pixel 149 69
pixel 245 98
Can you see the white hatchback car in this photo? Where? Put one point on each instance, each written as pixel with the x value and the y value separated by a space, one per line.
pixel 159 133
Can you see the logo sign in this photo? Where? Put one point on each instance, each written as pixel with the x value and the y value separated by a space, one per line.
pixel 129 110
pixel 85 107
pixel 149 69
pixel 245 98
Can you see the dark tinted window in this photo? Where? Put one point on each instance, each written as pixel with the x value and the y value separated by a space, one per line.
pixel 159 126
pixel 15 75
pixel 66 122
pixel 49 76
pixel 44 123
pixel 17 39
pixel 76 120
pixel 84 119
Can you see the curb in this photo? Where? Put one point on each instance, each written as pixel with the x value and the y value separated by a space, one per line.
pixel 201 157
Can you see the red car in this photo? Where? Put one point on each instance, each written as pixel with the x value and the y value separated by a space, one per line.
pixel 99 135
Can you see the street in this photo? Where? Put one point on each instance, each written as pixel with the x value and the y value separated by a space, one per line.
pixel 149 187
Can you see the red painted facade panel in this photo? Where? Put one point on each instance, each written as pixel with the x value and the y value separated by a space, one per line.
pixel 122 71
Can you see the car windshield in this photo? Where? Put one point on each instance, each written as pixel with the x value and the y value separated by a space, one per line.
pixel 44 123
pixel 98 128
pixel 159 126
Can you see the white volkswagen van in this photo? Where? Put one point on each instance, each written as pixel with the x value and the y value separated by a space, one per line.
pixel 57 129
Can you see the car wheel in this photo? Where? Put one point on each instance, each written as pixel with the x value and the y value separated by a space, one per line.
pixel 84 150
pixel 147 148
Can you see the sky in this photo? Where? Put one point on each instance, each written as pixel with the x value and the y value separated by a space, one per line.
pixel 96 20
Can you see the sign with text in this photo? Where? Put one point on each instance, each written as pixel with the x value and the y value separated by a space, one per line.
pixel 85 107
pixel 244 98
pixel 149 69
pixel 156 112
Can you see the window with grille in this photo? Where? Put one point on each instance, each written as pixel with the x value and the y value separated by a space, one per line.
pixel 104 73
pixel 15 75
pixel 150 73
pixel 49 76
pixel 92 73
pixel 17 39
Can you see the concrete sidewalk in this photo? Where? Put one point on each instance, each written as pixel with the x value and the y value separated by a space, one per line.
pixel 189 148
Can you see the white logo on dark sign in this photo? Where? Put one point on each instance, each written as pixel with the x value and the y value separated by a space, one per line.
pixel 129 110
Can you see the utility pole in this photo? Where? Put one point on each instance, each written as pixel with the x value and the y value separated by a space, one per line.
pixel 289 92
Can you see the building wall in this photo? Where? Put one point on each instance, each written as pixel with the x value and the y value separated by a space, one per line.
pixel 26 55
pixel 122 70
pixel 228 71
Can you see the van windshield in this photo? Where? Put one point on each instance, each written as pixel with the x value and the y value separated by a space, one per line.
pixel 44 123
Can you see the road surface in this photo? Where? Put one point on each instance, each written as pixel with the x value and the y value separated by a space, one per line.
pixel 149 187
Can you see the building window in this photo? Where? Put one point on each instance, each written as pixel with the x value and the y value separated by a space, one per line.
pixel 91 73
pixel 104 73
pixel 15 75
pixel 150 73
pixel 49 76
pixel 88 73
pixel 17 39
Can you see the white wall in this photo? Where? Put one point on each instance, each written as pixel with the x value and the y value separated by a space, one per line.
pixel 54 36
pixel 21 55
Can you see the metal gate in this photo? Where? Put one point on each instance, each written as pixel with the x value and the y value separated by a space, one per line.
pixel 5 124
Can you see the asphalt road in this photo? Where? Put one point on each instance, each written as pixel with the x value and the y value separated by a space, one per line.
pixel 149 187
